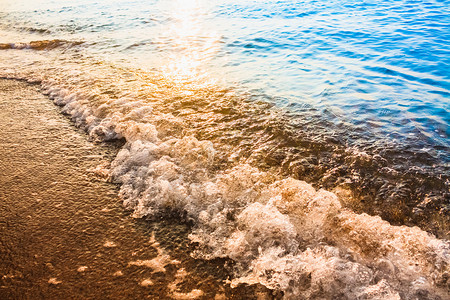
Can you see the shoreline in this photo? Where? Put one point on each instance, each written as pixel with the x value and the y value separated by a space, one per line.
pixel 143 258
pixel 63 229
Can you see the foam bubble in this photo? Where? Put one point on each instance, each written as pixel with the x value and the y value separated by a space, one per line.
pixel 54 281
pixel 146 282
pixel 109 244
pixel 81 269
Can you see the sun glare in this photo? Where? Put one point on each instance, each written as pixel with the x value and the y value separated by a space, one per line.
pixel 193 44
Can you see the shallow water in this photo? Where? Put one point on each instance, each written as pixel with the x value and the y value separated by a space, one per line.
pixel 381 67
pixel 64 233
pixel 225 107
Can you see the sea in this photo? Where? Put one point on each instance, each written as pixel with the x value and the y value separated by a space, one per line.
pixel 305 141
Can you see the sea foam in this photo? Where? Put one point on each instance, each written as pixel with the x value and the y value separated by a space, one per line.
pixel 279 231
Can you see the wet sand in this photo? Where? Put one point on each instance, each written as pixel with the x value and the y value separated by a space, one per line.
pixel 63 231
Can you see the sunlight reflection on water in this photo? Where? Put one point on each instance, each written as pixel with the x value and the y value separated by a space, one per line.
pixel 193 45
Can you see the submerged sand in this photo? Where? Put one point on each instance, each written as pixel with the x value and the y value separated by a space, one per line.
pixel 53 221
pixel 63 231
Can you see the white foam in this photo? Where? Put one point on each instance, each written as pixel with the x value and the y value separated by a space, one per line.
pixel 109 244
pixel 158 263
pixel 281 232
pixel 146 282
pixel 54 281
pixel 81 269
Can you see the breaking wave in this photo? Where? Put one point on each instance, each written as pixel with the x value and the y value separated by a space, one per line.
pixel 305 202
pixel 280 231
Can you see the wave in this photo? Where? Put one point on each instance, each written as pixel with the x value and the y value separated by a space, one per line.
pixel 280 231
pixel 40 45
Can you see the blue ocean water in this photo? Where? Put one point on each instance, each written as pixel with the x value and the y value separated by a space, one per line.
pixel 382 67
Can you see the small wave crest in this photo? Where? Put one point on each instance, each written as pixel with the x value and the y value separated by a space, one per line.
pixel 40 45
